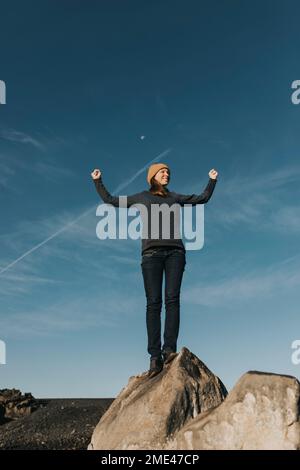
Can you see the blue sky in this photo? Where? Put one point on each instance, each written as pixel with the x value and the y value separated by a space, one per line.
pixel 208 83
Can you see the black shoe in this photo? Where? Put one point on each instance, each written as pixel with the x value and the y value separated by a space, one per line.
pixel 168 356
pixel 156 366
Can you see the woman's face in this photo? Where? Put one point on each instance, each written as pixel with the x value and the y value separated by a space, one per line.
pixel 163 176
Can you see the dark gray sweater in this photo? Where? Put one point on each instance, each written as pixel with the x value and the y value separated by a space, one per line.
pixel 147 199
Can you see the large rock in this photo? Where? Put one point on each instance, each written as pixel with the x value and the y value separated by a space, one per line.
pixel 15 404
pixel 260 412
pixel 147 411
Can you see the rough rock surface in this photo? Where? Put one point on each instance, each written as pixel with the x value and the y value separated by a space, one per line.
pixel 260 412
pixel 15 404
pixel 149 410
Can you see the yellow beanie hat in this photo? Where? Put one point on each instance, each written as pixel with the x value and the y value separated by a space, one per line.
pixel 153 169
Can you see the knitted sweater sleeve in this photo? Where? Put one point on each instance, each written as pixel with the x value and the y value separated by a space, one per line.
pixel 114 200
pixel 197 199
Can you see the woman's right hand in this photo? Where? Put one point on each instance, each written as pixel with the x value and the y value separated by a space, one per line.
pixel 96 174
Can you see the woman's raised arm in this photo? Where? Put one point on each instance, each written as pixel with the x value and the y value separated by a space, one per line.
pixel 204 196
pixel 107 197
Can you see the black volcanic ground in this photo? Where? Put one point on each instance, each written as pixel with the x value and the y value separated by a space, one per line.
pixel 62 424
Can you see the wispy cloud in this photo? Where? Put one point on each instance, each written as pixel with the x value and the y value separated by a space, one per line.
pixel 6 172
pixel 20 137
pixel 253 183
pixel 139 172
pixel 66 227
pixel 286 219
pixel 78 314
pixel 23 283
pixel 77 261
pixel 10 166
pixel 234 290
pixel 52 172
pixel 123 259
pixel 252 199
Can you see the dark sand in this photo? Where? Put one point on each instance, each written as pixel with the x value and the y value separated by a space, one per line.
pixel 63 424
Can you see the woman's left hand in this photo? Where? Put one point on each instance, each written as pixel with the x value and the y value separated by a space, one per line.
pixel 213 174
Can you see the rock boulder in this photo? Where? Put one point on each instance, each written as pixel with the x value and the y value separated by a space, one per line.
pixel 147 411
pixel 260 412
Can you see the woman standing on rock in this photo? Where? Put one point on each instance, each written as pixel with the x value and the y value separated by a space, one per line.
pixel 160 255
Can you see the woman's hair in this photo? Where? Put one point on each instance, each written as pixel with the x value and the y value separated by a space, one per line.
pixel 157 188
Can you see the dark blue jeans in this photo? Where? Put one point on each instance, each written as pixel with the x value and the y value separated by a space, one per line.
pixel 155 262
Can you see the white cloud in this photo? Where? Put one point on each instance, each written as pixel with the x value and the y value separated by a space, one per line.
pixel 70 227
pixel 286 219
pixel 77 314
pixel 52 171
pixel 6 172
pixel 20 137
pixel 260 283
pixel 255 200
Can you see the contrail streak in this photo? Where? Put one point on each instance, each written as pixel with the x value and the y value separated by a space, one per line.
pixel 65 227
